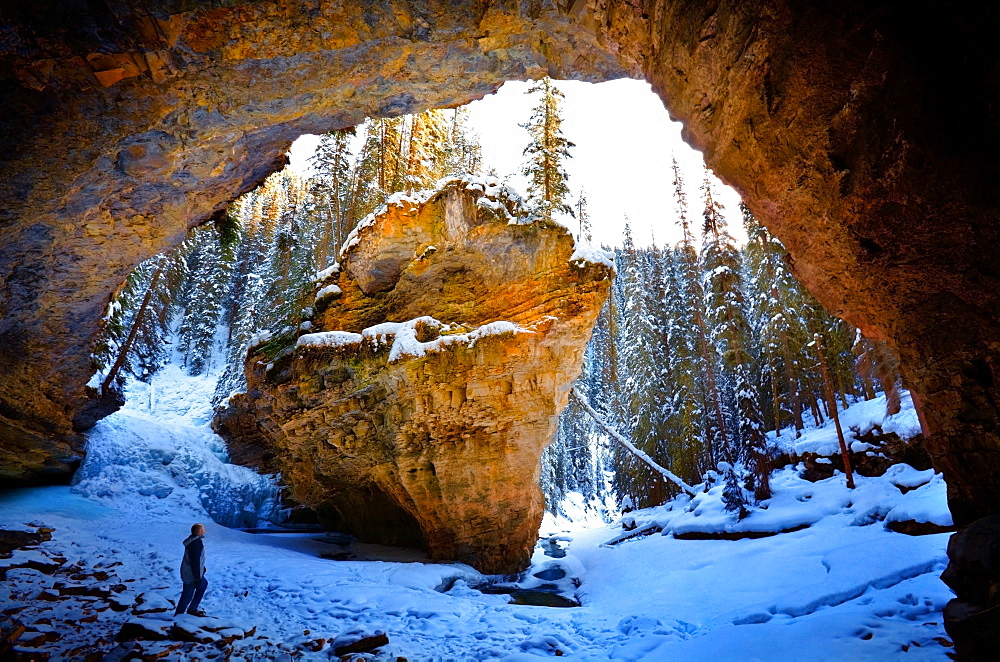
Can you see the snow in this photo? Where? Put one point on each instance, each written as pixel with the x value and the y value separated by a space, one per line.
pixel 406 345
pixel 329 290
pixel 843 588
pixel 584 252
pixel 329 271
pixel 859 418
pixel 799 503
pixel 149 461
pixel 402 337
pixel 260 338
pixel 328 339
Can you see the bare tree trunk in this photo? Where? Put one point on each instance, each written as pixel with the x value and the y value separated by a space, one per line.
pixel 136 323
pixel 794 392
pixel 650 462
pixel 831 399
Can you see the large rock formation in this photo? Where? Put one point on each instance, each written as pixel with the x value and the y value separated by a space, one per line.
pixel 416 409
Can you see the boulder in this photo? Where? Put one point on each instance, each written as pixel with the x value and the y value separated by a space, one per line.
pixel 142 629
pixel 359 641
pixel 417 413
pixel 972 618
pixel 10 630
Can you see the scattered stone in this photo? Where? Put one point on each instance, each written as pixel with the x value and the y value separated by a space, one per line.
pixel 359 641
pixel 151 603
pixel 10 630
pixel 11 540
pixel 122 652
pixel 121 601
pixel 185 632
pixel 89 591
pixel 138 628
pixel 914 528
pixel 32 639
pixel 40 566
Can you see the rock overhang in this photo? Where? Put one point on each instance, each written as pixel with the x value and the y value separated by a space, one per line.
pixel 426 401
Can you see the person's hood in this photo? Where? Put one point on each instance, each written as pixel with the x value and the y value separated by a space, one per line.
pixel 191 538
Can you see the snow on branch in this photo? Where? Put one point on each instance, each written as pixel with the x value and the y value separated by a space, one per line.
pixel 666 473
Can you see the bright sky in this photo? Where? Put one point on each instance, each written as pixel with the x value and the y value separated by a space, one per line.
pixel 624 144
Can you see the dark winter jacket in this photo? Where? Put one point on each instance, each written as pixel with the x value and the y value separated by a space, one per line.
pixel 193 564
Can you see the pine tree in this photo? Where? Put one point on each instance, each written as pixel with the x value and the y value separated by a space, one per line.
pixel 585 232
pixel 731 334
pixel 777 306
pixel 427 146
pixel 689 278
pixel 331 190
pixel 138 323
pixel 463 153
pixel 686 422
pixel 547 152
pixel 640 416
pixel 209 268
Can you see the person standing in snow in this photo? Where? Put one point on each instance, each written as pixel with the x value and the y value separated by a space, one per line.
pixel 193 573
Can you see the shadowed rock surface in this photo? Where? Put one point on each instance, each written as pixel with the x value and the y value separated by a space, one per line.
pixel 418 413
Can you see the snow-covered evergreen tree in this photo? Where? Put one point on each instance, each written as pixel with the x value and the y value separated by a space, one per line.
pixel 546 152
pixel 463 153
pixel 725 306
pixel 331 190
pixel 209 267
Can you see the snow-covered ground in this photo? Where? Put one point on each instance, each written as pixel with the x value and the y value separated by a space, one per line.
pixel 842 588
pixel 859 417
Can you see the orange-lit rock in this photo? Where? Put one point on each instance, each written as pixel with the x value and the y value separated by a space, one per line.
pixel 428 431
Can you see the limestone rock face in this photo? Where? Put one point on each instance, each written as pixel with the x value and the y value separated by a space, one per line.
pixel 416 410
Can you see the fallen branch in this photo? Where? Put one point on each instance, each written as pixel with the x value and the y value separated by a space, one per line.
pixel 647 530
pixel 666 473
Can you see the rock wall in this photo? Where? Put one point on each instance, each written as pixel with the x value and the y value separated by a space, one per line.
pixel 416 409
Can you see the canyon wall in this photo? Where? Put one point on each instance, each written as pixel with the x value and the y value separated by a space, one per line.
pixel 414 409
pixel 864 134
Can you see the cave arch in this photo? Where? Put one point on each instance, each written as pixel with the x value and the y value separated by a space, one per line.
pixel 863 134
